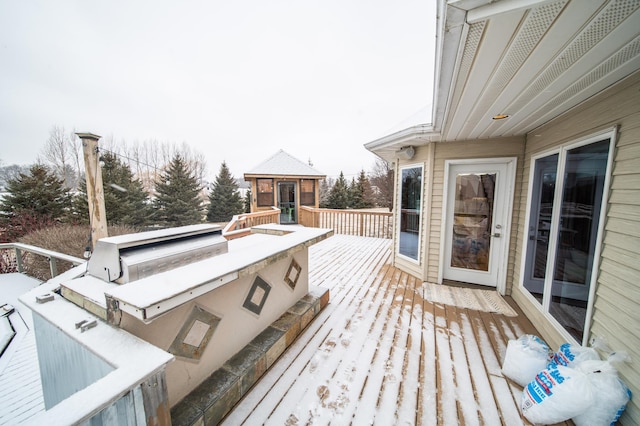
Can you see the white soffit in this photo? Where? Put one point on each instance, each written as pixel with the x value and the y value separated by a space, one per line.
pixel 537 62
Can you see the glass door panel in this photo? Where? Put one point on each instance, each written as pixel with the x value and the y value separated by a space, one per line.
pixel 563 232
pixel 287 202
pixel 472 221
pixel 544 187
pixel 582 193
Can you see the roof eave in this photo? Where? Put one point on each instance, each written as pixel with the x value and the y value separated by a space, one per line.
pixel 282 175
pixel 389 146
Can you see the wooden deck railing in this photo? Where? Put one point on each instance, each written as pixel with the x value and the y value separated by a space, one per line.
pixel 362 223
pixel 240 225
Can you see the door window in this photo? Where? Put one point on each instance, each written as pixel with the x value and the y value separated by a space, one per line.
pixel 564 225
pixel 472 220
pixel 287 202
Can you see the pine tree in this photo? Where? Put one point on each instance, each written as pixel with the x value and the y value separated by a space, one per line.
pixel 178 200
pixel 125 200
pixel 361 192
pixel 33 201
pixel 325 189
pixel 247 201
pixel 355 195
pixel 339 194
pixel 224 199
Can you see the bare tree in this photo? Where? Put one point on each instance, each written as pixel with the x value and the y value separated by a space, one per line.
pixel 148 159
pixel 11 172
pixel 382 178
pixel 76 146
pixel 59 152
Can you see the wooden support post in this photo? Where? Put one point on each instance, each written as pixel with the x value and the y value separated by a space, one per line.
pixel 95 190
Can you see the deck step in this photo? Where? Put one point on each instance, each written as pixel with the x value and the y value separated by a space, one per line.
pixel 215 397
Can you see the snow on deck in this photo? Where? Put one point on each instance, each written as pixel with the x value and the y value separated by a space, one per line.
pixel 20 386
pixel 381 353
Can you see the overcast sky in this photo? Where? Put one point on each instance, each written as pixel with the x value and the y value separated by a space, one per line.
pixel 237 80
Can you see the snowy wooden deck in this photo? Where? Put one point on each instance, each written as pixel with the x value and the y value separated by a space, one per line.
pixel 382 353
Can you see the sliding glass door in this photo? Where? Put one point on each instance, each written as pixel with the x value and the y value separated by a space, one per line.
pixel 565 222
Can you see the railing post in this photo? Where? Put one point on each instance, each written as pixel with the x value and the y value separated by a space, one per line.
pixel 53 266
pixel 19 259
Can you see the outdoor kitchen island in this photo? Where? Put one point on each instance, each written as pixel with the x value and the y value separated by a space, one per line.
pixel 225 318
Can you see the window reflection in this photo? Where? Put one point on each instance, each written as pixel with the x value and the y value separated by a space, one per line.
pixel 472 217
pixel 575 229
pixel 544 187
pixel 580 216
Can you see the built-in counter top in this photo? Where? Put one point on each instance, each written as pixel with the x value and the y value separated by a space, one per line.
pixel 71 342
pixel 150 297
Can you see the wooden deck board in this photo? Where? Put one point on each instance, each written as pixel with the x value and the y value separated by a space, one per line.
pixel 381 353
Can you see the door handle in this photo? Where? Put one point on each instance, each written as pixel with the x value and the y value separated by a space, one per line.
pixel 497 235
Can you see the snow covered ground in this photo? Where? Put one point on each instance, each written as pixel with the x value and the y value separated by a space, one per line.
pixel 382 353
pixel 20 386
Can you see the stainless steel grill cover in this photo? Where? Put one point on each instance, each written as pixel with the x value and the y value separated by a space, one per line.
pixel 127 258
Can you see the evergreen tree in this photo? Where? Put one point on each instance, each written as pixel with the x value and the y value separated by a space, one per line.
pixel 247 201
pixel 178 200
pixel 339 194
pixel 125 200
pixel 325 189
pixel 355 195
pixel 224 199
pixel 33 201
pixel 361 192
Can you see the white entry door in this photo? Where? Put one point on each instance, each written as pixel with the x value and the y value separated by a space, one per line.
pixel 479 198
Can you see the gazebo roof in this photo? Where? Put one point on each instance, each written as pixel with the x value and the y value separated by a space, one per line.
pixel 283 164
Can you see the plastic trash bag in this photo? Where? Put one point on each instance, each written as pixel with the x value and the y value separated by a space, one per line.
pixel 557 393
pixel 525 357
pixel 570 355
pixel 611 393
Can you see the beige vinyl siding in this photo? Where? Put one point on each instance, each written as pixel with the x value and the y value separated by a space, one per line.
pixel 617 300
pixel 486 148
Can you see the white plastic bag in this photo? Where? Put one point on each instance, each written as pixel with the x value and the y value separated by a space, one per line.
pixel 570 355
pixel 611 393
pixel 525 357
pixel 557 393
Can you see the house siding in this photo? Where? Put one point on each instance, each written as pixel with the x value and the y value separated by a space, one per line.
pixel 615 312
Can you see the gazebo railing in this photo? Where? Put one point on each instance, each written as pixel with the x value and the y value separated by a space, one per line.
pixel 362 223
pixel 240 225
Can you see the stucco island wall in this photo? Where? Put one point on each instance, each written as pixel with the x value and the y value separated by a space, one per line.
pixel 268 273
